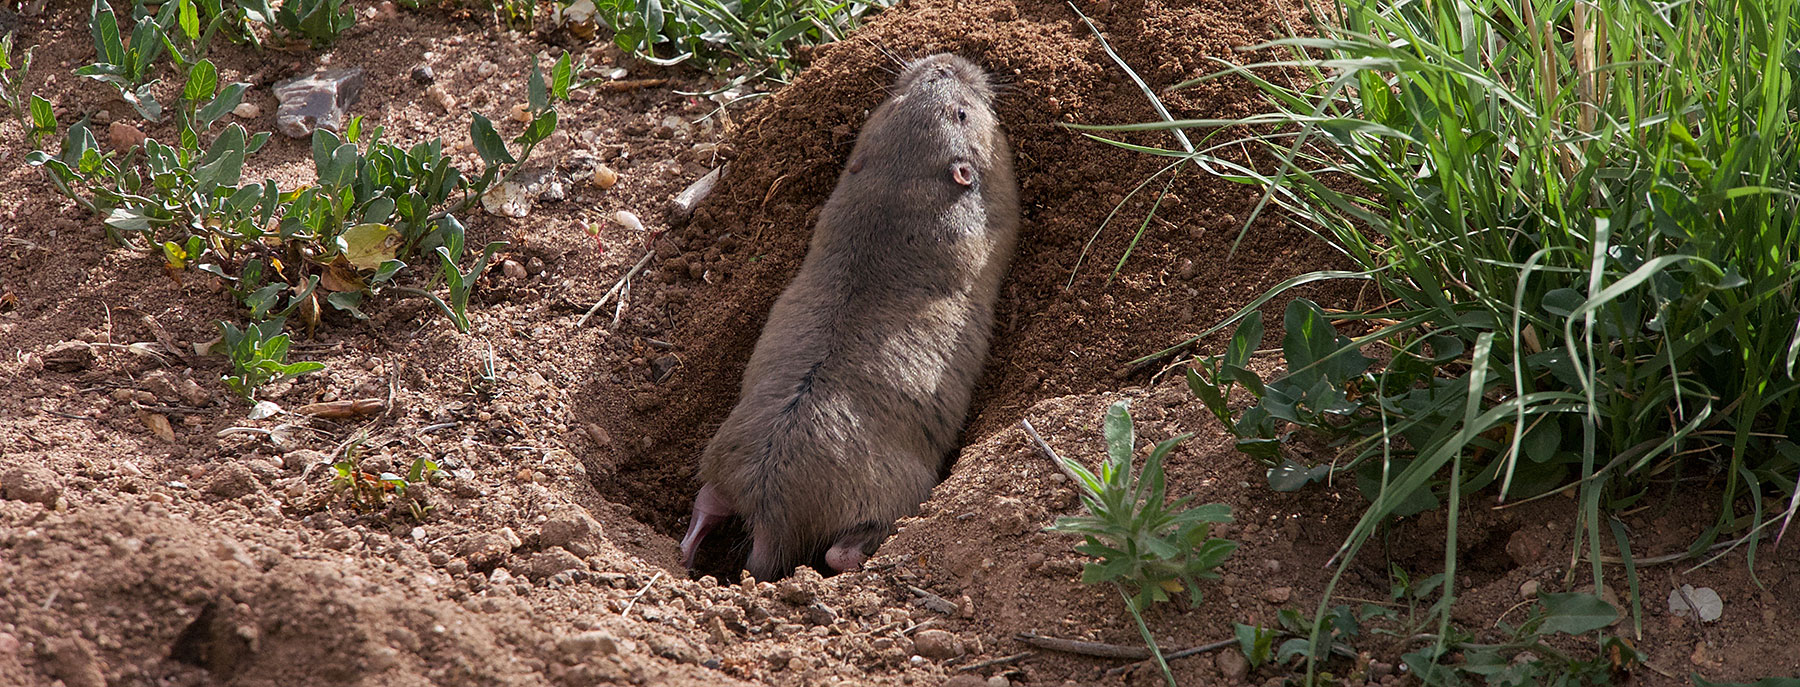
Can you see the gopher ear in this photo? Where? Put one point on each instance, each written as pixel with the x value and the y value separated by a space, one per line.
pixel 962 172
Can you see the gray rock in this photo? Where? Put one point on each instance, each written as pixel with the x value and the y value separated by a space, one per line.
pixel 31 484
pixel 937 645
pixel 575 648
pixel 316 100
pixel 1232 665
pixel 551 562
pixel 232 480
pixel 566 528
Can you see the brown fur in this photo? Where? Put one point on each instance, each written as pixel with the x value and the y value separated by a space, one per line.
pixel 858 388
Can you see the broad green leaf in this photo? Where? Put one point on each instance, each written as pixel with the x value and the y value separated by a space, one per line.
pixel 43 118
pixel 487 142
pixel 537 95
pixel 1574 614
pixel 561 77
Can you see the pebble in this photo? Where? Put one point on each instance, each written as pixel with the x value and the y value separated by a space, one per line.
pixel 548 563
pixel 31 484
pixel 1529 589
pixel 1526 547
pixel 1232 665
pixel 8 644
pixel 423 75
pixel 486 69
pixel 123 136
pixel 73 662
pixel 316 100
pixel 340 539
pixel 578 647
pixel 965 680
pixel 512 269
pixel 247 111
pixel 442 98
pixel 605 177
pixel 232 480
pixel 629 220
pixel 937 644
pixel 563 529
pixel 1277 595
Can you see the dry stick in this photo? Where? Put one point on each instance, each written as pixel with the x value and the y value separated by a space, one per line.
pixel 640 594
pixel 616 287
pixel 1075 646
pixel 995 662
pixel 1055 459
pixel 1184 653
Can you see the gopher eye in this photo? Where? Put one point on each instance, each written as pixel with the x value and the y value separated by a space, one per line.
pixel 962 115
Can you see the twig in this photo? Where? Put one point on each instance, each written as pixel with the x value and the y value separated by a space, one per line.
pixel 933 601
pixel 640 594
pixel 1055 459
pixel 1075 646
pixel 1184 653
pixel 628 85
pixel 616 287
pixel 995 662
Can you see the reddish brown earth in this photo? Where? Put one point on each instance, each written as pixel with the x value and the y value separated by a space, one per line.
pixel 549 556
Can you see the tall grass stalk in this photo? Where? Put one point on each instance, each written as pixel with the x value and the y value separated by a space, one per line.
pixel 1587 214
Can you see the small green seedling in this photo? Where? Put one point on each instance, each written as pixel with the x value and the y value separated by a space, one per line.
pixel 1143 543
pixel 369 491
pixel 34 114
pixel 259 356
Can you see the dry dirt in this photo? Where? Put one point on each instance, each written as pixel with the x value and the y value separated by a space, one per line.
pixel 224 557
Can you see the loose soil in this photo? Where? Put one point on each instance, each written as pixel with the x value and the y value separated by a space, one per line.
pixel 548 557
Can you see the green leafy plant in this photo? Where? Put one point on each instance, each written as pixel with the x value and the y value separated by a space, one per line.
pixel 1587 220
pixel 375 206
pixel 34 114
pixel 126 66
pixel 258 356
pixel 1526 659
pixel 1146 546
pixel 763 34
pixel 317 21
pixel 370 491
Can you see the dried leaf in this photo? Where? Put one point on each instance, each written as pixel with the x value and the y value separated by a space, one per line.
pixel 343 409
pixel 158 424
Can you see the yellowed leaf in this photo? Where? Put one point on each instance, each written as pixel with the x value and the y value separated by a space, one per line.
pixel 366 246
pixel 158 425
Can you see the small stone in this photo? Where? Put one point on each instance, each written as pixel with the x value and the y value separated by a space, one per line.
pixel 31 484
pixel 232 480
pixel 512 269
pixel 484 550
pixel 1526 547
pixel 629 220
pixel 1232 665
pixel 158 424
pixel 74 663
pixel 124 136
pixel 1276 595
pixel 1187 269
pixel 486 69
pixel 423 75
pixel 965 680
pixel 316 100
pixel 576 648
pixel 563 529
pixel 605 177
pixel 1529 589
pixel 551 562
pixel 9 644
pixel 68 356
pixel 441 98
pixel 247 111
pixel 341 539
pixel 999 681
pixel 937 645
